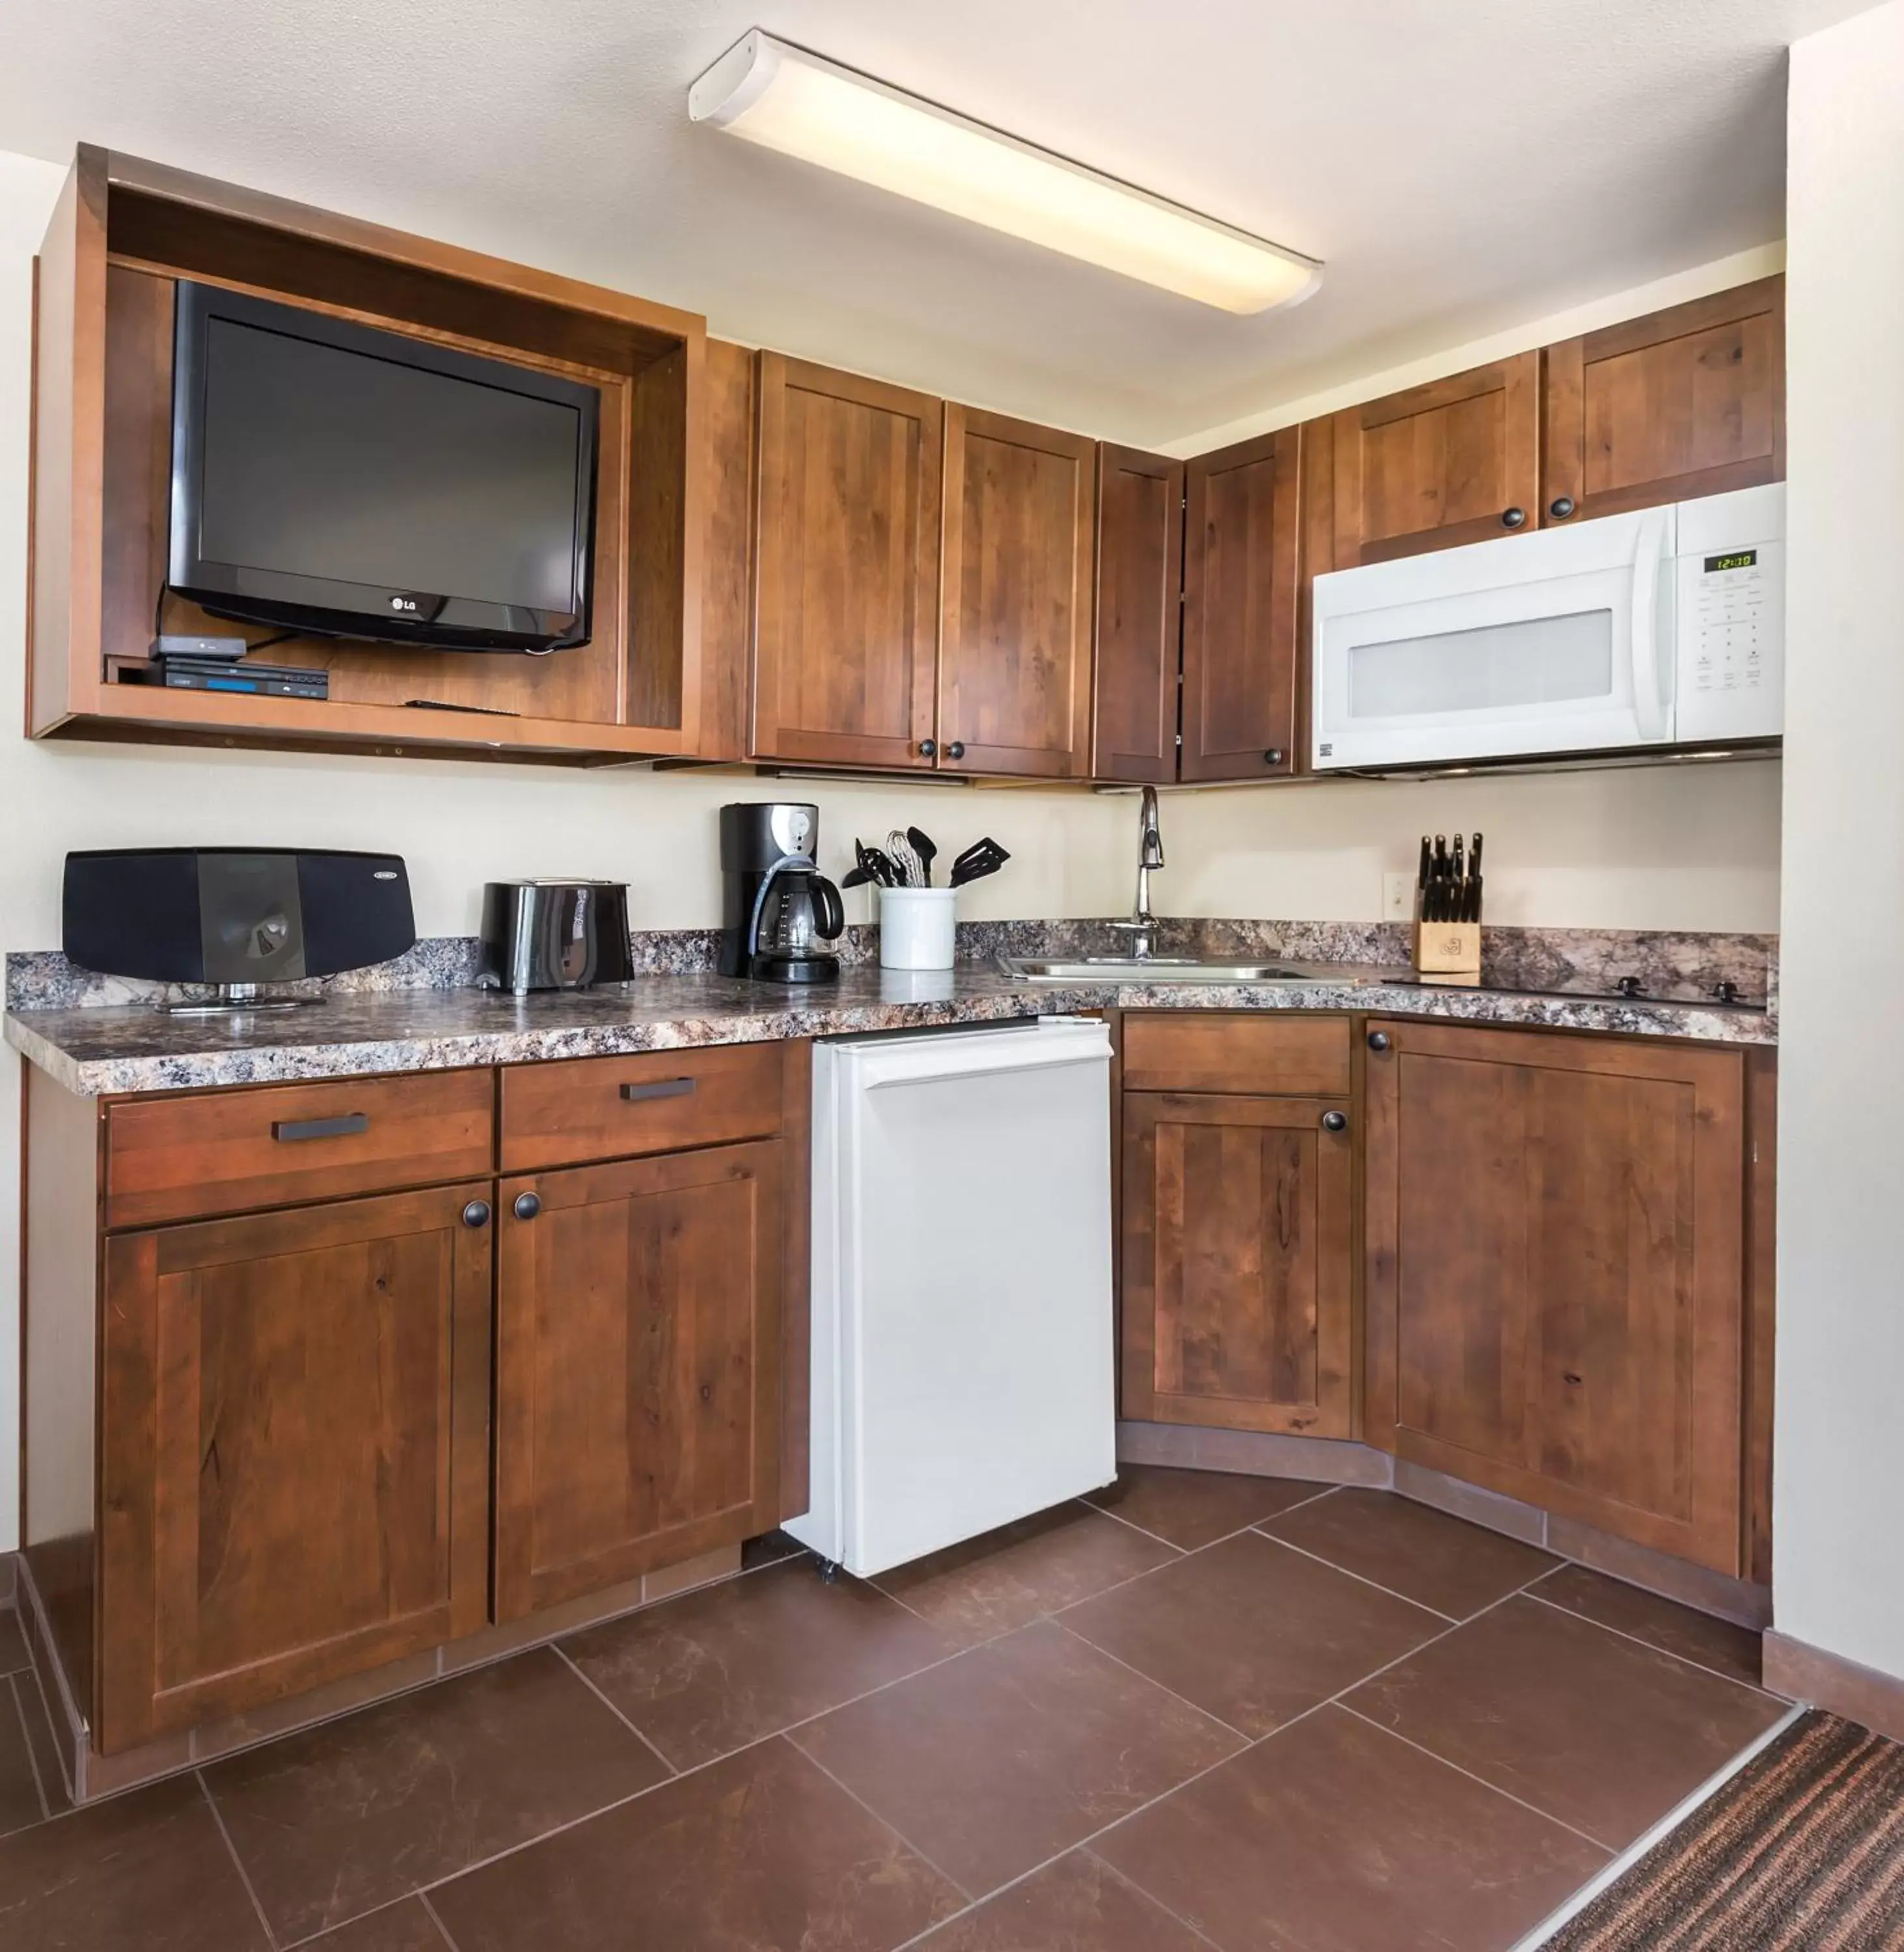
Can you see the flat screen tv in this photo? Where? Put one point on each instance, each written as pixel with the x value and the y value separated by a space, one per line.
pixel 333 478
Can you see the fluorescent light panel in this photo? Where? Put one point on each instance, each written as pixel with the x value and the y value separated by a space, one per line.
pixel 785 99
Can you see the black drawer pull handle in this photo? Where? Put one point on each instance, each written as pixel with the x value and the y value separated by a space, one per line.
pixel 662 1087
pixel 288 1131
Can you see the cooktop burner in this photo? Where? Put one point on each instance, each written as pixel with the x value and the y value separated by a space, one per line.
pixel 1721 996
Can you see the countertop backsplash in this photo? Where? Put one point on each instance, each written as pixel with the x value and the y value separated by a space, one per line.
pixel 1531 957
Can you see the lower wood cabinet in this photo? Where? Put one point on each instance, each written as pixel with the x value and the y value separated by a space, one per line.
pixel 1238 1226
pixel 638 1367
pixel 294 1451
pixel 1556 1281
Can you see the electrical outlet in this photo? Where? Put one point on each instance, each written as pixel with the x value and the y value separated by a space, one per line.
pixel 1397 898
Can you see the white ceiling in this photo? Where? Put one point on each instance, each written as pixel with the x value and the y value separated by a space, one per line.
pixel 1463 167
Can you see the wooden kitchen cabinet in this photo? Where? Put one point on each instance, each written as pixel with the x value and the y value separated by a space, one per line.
pixel 294 1451
pixel 1555 1279
pixel 1683 403
pixel 1139 616
pixel 637 1368
pixel 1016 598
pixel 1241 655
pixel 1238 1224
pixel 1454 461
pixel 846 622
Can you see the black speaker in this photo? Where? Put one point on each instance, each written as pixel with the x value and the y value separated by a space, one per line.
pixel 210 914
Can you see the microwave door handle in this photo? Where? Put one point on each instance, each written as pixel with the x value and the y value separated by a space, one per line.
pixel 1649 552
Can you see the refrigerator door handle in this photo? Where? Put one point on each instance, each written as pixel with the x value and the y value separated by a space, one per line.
pixel 1649 554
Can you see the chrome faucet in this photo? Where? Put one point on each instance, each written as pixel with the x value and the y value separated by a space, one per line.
pixel 1142 926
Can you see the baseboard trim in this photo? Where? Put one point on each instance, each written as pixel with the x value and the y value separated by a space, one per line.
pixel 1254 1454
pixel 1865 1695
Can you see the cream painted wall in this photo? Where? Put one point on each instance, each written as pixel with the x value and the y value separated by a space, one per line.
pixel 1839 1459
pixel 1687 847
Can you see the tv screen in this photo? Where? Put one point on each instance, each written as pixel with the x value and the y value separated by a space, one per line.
pixel 328 477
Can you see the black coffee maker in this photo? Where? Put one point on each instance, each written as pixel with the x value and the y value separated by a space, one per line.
pixel 778 910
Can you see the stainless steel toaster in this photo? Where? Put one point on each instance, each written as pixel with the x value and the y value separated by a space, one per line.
pixel 554 935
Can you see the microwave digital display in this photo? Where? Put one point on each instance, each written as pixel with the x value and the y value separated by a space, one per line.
pixel 1738 559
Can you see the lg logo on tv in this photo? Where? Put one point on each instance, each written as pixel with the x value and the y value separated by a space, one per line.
pixel 403 603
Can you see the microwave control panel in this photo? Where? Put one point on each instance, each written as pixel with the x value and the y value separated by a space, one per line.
pixel 1730 620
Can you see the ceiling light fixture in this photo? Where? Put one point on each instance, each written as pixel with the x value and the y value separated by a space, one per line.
pixel 803 105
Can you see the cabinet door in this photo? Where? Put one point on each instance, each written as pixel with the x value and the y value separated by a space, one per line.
pixel 637 1369
pixel 1238 1246
pixel 1684 402
pixel 1455 461
pixel 847 614
pixel 1139 625
pixel 1016 598
pixel 1239 610
pixel 1555 1274
pixel 295 1455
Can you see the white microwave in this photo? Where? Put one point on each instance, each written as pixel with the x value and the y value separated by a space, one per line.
pixel 1663 628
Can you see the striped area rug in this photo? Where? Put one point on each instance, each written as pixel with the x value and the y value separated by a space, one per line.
pixel 1803 1848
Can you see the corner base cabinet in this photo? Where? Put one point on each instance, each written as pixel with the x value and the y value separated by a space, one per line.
pixel 1556 1276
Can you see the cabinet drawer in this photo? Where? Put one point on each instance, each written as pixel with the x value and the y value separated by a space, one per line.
pixel 224 1152
pixel 601 1108
pixel 1236 1050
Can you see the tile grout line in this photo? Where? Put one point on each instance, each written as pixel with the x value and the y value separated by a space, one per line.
pixel 1653 1646
pixel 32 1761
pixel 324 1932
pixel 1084 1639
pixel 1130 1884
pixel 443 1930
pixel 1131 1524
pixel 568 1661
pixel 238 1863
pixel 1421 1605
pixel 884 1822
pixel 1533 1809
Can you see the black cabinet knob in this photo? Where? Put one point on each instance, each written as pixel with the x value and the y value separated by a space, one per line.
pixel 528 1205
pixel 927 749
pixel 1273 757
pixel 1560 507
pixel 1378 1040
pixel 956 750
pixel 1334 1122
pixel 476 1214
pixel 1513 518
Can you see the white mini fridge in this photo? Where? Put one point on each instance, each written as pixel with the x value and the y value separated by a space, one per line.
pixel 963 1367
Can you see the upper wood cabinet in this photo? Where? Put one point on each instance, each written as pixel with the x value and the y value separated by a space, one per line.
pixel 1555 1273
pixel 1455 461
pixel 294 1452
pixel 1016 598
pixel 1240 585
pixel 637 1368
pixel 1685 402
pixel 123 236
pixel 847 569
pixel 1139 621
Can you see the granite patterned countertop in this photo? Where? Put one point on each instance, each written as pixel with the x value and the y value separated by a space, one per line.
pixel 102 1051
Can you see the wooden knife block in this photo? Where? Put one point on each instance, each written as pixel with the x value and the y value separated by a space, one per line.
pixel 1448 948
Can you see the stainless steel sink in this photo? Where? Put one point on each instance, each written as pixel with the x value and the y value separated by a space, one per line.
pixel 1154 969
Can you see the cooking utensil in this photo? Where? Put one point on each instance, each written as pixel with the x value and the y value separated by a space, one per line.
pixel 873 861
pixel 982 857
pixel 855 878
pixel 905 858
pixel 926 849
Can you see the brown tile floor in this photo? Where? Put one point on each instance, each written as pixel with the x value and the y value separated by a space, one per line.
pixel 1196 1710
